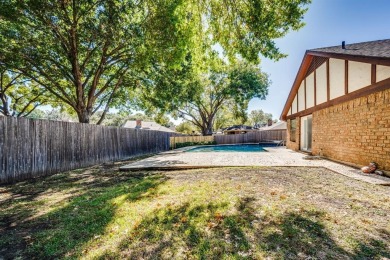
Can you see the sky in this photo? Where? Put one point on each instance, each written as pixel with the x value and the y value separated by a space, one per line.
pixel 328 23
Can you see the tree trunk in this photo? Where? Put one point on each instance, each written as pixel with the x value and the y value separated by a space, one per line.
pixel 207 129
pixel 4 108
pixel 84 116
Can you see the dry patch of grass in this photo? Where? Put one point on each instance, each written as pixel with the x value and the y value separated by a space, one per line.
pixel 229 213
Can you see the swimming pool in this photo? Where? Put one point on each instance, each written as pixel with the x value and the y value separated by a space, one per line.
pixel 229 148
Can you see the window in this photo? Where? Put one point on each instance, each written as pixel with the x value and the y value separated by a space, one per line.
pixel 293 129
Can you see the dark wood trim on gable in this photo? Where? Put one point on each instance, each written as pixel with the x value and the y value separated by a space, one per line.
pixel 327 81
pixel 373 73
pixel 372 60
pixel 379 86
pixel 304 84
pixel 315 87
pixel 346 77
pixel 306 61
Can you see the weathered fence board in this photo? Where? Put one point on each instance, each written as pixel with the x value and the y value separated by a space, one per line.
pixel 31 148
pixel 190 139
pixel 251 137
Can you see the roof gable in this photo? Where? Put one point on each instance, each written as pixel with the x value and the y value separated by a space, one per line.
pixel 374 52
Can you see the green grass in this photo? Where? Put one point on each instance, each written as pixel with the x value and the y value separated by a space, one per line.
pixel 248 213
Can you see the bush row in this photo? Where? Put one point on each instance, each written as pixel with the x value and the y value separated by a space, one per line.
pixel 180 145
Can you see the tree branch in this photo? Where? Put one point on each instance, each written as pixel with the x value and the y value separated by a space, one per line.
pixel 109 101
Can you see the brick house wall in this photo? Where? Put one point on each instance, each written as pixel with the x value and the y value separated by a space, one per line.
pixel 290 144
pixel 356 131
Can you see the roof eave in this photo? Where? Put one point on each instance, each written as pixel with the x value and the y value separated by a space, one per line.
pixel 352 57
pixel 300 75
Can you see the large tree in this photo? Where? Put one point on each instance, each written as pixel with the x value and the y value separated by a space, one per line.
pixel 230 87
pixel 227 116
pixel 187 128
pixel 259 117
pixel 19 97
pixel 91 54
pixel 84 52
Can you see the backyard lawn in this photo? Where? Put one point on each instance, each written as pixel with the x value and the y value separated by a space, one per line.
pixel 225 213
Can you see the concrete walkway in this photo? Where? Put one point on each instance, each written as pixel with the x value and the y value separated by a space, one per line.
pixel 275 156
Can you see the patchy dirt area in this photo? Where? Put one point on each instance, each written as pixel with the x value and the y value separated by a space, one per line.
pixel 244 213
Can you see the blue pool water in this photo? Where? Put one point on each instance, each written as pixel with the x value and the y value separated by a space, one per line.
pixel 229 148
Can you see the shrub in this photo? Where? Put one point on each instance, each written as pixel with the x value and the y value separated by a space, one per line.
pixel 180 145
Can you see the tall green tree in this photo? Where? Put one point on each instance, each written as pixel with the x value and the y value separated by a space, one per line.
pixel 231 87
pixel 19 97
pixel 186 128
pixel 227 116
pixel 259 117
pixel 249 27
pixel 86 52
pixel 92 54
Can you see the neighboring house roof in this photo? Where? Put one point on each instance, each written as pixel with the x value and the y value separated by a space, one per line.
pixel 238 127
pixel 147 125
pixel 281 125
pixel 374 52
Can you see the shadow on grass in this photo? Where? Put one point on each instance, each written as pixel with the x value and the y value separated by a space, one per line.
pixel 191 230
pixel 63 231
pixel 87 216
pixel 203 232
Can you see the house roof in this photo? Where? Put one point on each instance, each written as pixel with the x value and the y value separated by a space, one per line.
pixel 374 52
pixel 281 125
pixel 379 49
pixel 238 127
pixel 147 125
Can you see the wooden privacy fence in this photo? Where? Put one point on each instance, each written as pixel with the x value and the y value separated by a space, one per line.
pixel 189 139
pixel 31 148
pixel 251 137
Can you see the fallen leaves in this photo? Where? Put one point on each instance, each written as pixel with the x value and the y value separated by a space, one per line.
pixel 218 216
pixel 283 197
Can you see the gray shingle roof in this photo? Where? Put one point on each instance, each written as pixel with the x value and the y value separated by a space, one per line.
pixel 380 49
pixel 148 125
pixel 281 125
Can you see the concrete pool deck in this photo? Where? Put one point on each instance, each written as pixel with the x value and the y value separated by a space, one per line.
pixel 275 156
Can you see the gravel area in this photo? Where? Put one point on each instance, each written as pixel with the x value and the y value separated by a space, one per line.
pixel 275 156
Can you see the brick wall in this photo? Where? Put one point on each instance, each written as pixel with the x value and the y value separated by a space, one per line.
pixel 357 131
pixel 294 145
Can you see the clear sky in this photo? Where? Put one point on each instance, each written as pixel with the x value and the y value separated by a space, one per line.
pixel 328 23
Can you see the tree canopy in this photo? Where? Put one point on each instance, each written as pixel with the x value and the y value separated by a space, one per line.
pixel 221 86
pixel 186 128
pixel 19 97
pixel 259 117
pixel 92 54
